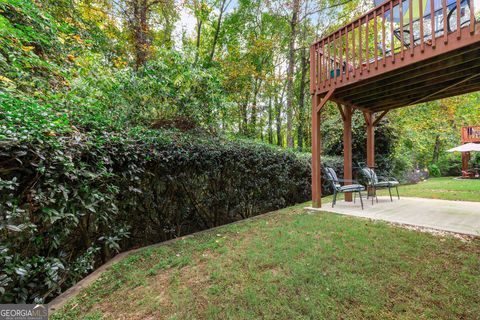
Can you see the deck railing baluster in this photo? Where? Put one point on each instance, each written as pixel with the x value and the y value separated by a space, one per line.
pixel 334 58
pixel 354 62
pixel 375 37
pixel 329 62
pixel 340 40
pixel 360 62
pixel 383 36
pixel 410 24
pixel 367 45
pixel 445 26
pixel 392 35
pixel 459 34
pixel 432 21
pixel 420 13
pixel 346 53
pixel 400 14
pixel 325 72
pixel 472 17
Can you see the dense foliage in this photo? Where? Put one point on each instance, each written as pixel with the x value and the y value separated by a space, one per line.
pixel 69 205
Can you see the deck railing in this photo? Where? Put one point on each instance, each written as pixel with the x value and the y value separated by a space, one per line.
pixel 391 30
pixel 471 134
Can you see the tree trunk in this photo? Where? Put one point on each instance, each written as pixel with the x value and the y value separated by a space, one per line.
pixel 139 25
pixel 253 116
pixel 301 99
pixel 270 121
pixel 291 70
pixel 278 121
pixel 436 149
pixel 199 33
pixel 244 115
pixel 217 29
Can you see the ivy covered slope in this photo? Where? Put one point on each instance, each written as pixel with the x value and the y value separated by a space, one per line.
pixel 87 171
pixel 68 203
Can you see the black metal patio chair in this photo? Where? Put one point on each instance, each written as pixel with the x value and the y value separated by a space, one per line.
pixel 337 187
pixel 379 182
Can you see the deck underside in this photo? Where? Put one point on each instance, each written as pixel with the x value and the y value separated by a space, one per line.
pixel 454 72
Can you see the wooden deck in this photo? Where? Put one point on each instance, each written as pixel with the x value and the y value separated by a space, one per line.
pixel 471 134
pixel 372 78
pixel 401 53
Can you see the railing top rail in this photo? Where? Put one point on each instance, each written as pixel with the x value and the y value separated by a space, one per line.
pixel 369 15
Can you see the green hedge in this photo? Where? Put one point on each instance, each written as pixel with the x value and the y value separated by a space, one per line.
pixel 69 203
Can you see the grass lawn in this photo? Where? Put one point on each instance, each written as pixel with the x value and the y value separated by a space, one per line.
pixel 445 188
pixel 292 264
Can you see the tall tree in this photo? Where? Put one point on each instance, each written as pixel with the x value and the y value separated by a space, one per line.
pixel 291 69
pixel 137 15
pixel 224 4
pixel 301 99
pixel 201 10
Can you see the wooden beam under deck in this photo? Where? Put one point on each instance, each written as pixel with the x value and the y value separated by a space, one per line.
pixel 428 76
pixel 424 70
pixel 402 93
pixel 390 97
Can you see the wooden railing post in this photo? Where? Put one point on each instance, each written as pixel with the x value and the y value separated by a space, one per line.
pixel 312 69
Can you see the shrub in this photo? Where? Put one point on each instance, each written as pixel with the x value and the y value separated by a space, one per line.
pixel 450 165
pixel 69 202
pixel 434 171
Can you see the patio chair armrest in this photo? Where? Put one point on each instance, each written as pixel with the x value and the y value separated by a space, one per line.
pixel 348 180
pixel 388 178
pixel 382 178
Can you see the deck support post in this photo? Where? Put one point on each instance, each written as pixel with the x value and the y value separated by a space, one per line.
pixel 465 159
pixel 318 102
pixel 346 113
pixel 316 139
pixel 369 116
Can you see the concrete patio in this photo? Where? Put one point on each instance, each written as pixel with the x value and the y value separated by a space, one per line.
pixel 453 216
